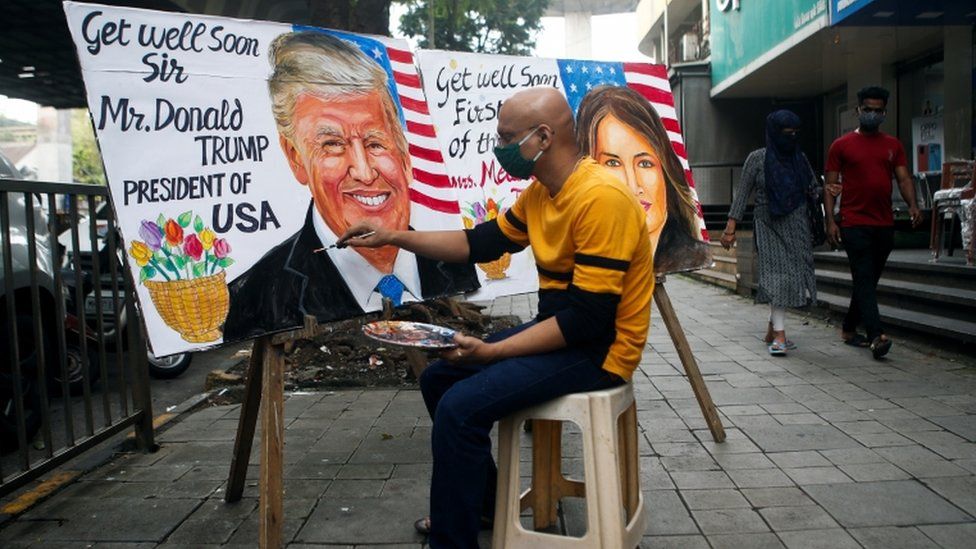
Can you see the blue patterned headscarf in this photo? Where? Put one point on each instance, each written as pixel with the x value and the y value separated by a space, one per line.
pixel 785 170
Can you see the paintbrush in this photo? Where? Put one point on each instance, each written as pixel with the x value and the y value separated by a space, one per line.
pixel 343 244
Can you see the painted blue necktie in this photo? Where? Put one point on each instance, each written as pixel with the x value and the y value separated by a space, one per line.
pixel 390 286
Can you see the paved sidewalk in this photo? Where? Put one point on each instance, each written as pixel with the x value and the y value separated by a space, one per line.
pixel 826 448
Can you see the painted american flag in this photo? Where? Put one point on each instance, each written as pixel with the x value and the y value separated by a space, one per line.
pixel 431 187
pixel 651 81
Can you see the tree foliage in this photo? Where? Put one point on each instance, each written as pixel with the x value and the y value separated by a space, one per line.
pixel 486 26
pixel 364 16
pixel 86 165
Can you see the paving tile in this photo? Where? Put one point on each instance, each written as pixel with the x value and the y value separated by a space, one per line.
pixel 760 478
pixel 920 462
pixel 131 519
pixel 777 497
pixel 866 472
pixel 799 437
pixel 214 522
pixel 852 456
pixel 952 536
pixel 906 503
pixel 883 440
pixel 729 521
pixel 714 499
pixel 804 517
pixel 808 458
pixel 892 537
pixel 816 475
pixel 834 538
pixel 743 461
pixel 673 542
pixel 697 480
pixel 363 521
pixel 959 490
pixel 765 540
pixel 669 516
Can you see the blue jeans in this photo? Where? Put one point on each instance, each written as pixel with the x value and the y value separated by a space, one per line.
pixel 465 401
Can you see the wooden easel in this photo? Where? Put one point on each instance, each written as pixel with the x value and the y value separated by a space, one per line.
pixel 265 383
pixel 677 334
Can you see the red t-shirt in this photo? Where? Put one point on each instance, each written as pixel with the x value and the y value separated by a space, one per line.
pixel 866 163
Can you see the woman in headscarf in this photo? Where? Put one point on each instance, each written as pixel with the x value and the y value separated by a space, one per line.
pixel 781 178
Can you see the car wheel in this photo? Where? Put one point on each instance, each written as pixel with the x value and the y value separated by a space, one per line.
pixel 168 367
pixel 75 370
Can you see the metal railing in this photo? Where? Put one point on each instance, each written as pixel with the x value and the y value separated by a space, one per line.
pixel 73 373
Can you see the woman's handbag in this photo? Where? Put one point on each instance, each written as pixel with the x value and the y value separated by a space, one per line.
pixel 815 209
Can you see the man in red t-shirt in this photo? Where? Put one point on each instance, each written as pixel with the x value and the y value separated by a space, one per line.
pixel 860 167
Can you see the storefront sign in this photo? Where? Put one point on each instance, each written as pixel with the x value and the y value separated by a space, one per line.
pixel 740 36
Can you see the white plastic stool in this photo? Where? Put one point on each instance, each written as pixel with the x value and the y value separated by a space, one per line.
pixel 614 504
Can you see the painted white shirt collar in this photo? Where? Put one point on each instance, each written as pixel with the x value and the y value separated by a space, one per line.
pixel 360 277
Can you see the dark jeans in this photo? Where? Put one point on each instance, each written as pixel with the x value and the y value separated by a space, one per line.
pixel 867 251
pixel 464 401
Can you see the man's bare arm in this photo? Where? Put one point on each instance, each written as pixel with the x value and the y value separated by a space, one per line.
pixel 906 186
pixel 833 231
pixel 449 246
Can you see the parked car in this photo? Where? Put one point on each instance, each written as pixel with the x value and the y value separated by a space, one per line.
pixel 113 318
pixel 23 320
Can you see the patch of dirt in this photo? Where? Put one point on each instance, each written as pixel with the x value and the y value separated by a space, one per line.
pixel 344 357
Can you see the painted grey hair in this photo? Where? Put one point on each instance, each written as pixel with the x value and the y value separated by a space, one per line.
pixel 326 66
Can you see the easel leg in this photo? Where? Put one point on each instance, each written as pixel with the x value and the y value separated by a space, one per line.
pixel 246 423
pixel 663 303
pixel 272 450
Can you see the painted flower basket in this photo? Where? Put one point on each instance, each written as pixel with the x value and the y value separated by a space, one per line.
pixel 475 213
pixel 185 275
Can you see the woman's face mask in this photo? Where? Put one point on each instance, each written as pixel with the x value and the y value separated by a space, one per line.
pixel 511 159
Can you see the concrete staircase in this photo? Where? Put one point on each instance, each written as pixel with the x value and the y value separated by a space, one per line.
pixel 723 272
pixel 938 299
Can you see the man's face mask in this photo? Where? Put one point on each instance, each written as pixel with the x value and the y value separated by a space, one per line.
pixel 511 159
pixel 870 119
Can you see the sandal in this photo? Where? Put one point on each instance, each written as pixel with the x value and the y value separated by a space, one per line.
pixel 880 347
pixel 857 340
pixel 777 348
pixel 422 525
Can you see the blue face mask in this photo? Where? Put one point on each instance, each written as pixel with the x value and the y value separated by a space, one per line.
pixel 511 159
pixel 870 120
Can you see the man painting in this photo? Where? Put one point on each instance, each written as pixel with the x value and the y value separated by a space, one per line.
pixel 589 238
pixel 340 132
pixel 860 167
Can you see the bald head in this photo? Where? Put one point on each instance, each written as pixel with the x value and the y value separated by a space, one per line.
pixel 537 106
pixel 552 139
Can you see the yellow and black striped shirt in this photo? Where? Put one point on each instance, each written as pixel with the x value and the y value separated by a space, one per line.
pixel 595 264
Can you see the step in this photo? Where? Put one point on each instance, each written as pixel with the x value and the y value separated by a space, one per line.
pixel 959 330
pixel 941 274
pixel 954 297
pixel 718 278
pixel 724 264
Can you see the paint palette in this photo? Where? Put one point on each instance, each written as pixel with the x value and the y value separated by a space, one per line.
pixel 411 334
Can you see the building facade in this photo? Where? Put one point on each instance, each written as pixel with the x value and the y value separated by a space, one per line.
pixel 734 61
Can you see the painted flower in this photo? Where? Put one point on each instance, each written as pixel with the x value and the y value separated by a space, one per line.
pixel 479 211
pixel 151 234
pixel 207 238
pixel 221 248
pixel 468 222
pixel 174 233
pixel 193 247
pixel 140 252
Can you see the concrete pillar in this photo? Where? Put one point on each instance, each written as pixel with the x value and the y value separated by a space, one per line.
pixel 957 113
pixel 578 35
pixel 52 155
